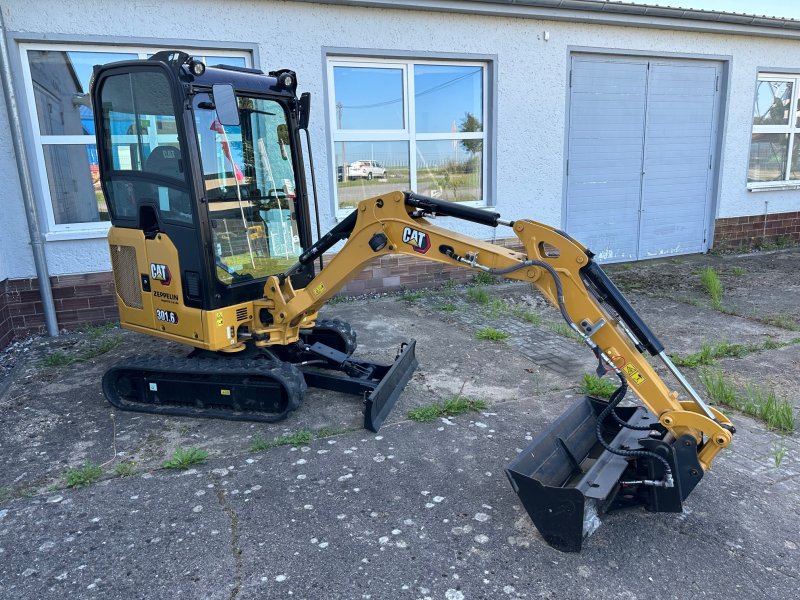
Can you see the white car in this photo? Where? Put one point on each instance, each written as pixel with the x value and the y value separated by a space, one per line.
pixel 366 169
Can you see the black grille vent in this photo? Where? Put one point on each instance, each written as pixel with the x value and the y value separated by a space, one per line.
pixel 193 291
pixel 241 314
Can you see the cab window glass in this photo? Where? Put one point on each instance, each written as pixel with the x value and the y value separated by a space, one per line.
pixel 141 136
pixel 250 186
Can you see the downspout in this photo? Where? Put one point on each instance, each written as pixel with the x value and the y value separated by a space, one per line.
pixel 26 184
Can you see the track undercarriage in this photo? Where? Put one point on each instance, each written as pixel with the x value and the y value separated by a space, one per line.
pixel 263 385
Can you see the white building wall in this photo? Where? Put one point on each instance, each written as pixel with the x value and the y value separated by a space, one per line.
pixel 532 87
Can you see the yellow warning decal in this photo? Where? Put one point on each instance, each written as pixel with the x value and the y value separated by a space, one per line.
pixel 319 289
pixel 225 392
pixel 633 374
pixel 220 320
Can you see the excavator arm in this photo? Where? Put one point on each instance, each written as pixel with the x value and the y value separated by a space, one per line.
pixel 564 272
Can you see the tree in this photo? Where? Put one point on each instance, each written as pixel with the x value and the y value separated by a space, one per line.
pixel 470 124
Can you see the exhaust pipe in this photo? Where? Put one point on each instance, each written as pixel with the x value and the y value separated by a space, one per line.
pixel 566 479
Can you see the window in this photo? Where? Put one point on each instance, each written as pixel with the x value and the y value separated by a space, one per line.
pixel 57 82
pixel 400 125
pixel 250 184
pixel 775 146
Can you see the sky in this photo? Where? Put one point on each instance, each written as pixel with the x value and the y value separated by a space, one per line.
pixel 772 8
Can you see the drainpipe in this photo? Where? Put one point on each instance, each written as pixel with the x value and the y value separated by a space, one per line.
pixel 31 213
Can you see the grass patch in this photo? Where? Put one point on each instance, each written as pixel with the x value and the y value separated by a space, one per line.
pixel 483 278
pixel 59 358
pixel 778 452
pixel 327 432
pixel 298 438
pixel 592 385
pixel 712 285
pixel 446 307
pixel 709 354
pixel 782 321
pixel 98 331
pixel 412 296
pixel 738 271
pixel 491 334
pixel 125 469
pixel 755 401
pixel 564 330
pixel 183 458
pixel 479 295
pixel 449 408
pixel 528 316
pixel 84 475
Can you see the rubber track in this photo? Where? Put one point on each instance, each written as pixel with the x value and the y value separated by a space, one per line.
pixel 337 326
pixel 285 374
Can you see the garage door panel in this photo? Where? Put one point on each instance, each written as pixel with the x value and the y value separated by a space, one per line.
pixel 639 138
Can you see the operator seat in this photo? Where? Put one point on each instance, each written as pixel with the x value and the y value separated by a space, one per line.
pixel 165 161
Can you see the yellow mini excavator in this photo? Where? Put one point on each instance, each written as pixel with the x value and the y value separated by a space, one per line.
pixel 211 247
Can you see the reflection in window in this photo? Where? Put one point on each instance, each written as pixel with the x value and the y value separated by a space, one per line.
pixel 249 178
pixel 774 137
pixel 74 180
pixel 438 151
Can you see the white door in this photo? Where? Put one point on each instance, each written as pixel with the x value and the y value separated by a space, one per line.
pixel 639 173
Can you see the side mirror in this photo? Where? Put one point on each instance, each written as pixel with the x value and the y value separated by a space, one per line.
pixel 305 109
pixel 225 102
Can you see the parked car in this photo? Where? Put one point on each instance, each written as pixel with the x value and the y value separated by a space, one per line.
pixel 366 169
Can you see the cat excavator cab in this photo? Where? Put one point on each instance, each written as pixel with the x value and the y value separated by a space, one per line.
pixel 211 247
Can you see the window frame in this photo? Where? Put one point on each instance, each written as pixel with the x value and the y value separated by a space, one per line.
pixel 408 133
pixel 792 129
pixel 87 229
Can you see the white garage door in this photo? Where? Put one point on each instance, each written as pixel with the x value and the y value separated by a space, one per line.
pixel 642 133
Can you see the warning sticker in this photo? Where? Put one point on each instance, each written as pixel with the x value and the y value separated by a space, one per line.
pixel 319 289
pixel 633 373
pixel 220 320
pixel 225 392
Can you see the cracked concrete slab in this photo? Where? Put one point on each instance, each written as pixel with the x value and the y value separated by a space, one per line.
pixel 421 510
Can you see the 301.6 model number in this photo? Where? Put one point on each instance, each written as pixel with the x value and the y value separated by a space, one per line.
pixel 167 316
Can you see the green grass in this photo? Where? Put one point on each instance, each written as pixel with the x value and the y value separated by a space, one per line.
pixel 527 316
pixel 709 354
pixel 712 285
pixel 298 438
pixel 479 295
pixel 60 358
pixel 412 296
pixel 183 458
pixel 483 278
pixel 449 408
pixel 84 475
pixel 764 404
pixel 782 321
pixel 327 432
pixel 446 307
pixel 98 331
pixel 778 452
pixel 491 334
pixel 125 469
pixel 738 271
pixel 592 385
pixel 564 330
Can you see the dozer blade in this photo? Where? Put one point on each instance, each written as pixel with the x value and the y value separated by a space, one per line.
pixel 566 479
pixel 381 400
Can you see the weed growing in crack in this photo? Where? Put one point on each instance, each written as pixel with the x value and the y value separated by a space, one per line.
pixel 709 354
pixel 446 307
pixel 782 321
pixel 183 458
pixel 764 404
pixel 778 452
pixel 483 278
pixel 491 334
pixel 563 330
pixel 449 408
pixel 125 469
pixel 83 475
pixel 327 432
pixel 298 438
pixel 592 385
pixel 412 296
pixel 60 358
pixel 713 286
pixel 479 295
pixel 738 271
pixel 527 316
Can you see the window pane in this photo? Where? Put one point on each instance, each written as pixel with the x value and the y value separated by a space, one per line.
pixel 448 98
pixel 368 169
pixel 368 98
pixel 74 181
pixel 768 157
pixel 61 88
pixel 451 169
pixel 234 61
pixel 773 99
pixel 794 172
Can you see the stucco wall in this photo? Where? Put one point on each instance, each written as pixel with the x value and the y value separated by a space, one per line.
pixel 532 80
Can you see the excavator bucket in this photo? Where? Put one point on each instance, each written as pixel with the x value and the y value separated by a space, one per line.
pixel 566 479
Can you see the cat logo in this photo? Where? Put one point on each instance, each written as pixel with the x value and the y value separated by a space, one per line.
pixel 421 242
pixel 160 273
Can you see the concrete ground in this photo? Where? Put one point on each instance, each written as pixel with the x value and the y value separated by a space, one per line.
pixel 421 510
